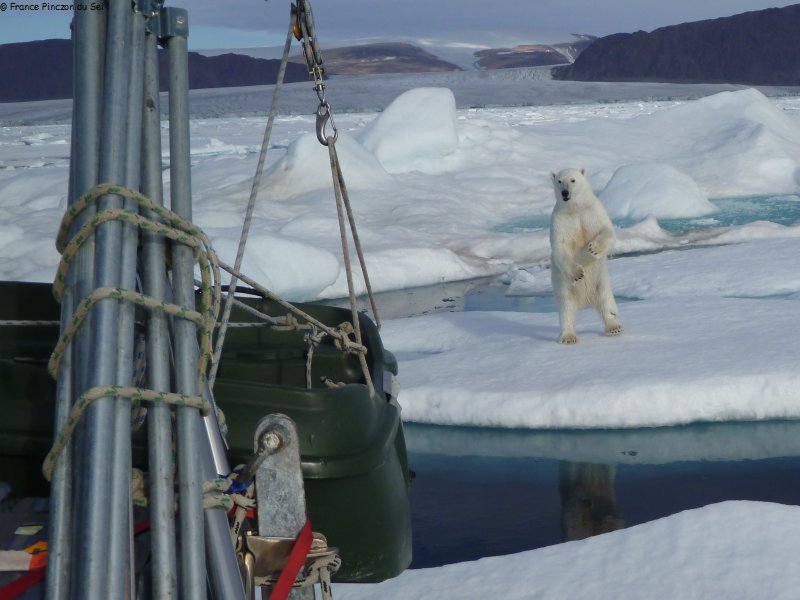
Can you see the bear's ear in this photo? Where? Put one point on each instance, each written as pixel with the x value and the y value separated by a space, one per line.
pixel 583 171
pixel 553 175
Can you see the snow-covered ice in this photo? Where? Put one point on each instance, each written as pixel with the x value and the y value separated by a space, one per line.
pixel 731 144
pixel 434 181
pixel 432 186
pixel 654 190
pixel 732 550
pixel 403 142
pixel 680 360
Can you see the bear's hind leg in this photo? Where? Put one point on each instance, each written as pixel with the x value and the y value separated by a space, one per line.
pixel 613 326
pixel 567 313
pixel 607 307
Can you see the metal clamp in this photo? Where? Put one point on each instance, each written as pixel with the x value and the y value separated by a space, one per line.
pixel 263 559
pixel 270 553
pixel 173 22
pixel 324 116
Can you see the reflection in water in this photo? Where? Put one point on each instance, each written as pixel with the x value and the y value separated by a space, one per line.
pixel 588 506
pixel 649 445
pixel 483 492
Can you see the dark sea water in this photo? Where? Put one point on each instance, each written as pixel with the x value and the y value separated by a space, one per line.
pixel 480 492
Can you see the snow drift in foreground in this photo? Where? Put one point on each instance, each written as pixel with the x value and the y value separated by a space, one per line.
pixel 732 550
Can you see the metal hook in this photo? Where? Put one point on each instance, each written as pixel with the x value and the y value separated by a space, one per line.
pixel 323 116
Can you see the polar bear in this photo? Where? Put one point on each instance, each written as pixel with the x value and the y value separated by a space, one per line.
pixel 581 237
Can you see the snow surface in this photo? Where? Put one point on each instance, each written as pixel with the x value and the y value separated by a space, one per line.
pixel 405 142
pixel 680 360
pixel 732 550
pixel 445 210
pixel 431 187
pixel 654 190
pixel 710 325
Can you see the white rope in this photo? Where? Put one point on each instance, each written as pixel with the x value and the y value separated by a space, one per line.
pixel 337 186
pixel 226 313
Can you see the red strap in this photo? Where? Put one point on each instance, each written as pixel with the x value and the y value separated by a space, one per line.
pixel 16 588
pixel 140 527
pixel 297 557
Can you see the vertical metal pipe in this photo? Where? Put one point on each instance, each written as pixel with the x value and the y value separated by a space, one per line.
pixel 57 582
pixel 64 501
pixel 88 100
pixel 226 581
pixel 159 420
pixel 103 557
pixel 224 574
pixel 174 28
pixel 119 555
pixel 58 564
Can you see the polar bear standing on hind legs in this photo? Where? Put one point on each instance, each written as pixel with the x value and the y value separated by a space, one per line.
pixel 581 237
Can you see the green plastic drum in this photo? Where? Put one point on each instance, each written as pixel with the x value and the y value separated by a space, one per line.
pixel 352 446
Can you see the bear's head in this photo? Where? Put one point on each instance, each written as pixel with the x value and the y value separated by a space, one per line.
pixel 569 185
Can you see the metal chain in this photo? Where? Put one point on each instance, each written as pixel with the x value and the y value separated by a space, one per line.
pixel 306 33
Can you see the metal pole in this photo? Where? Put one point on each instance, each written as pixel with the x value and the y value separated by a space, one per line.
pixel 90 36
pixel 103 558
pixel 175 29
pixel 159 419
pixel 87 78
pixel 58 564
pixel 226 581
pixel 57 583
pixel 121 526
pixel 195 440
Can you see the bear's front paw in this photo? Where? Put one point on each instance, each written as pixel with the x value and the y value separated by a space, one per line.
pixel 594 249
pixel 568 338
pixel 615 329
pixel 577 274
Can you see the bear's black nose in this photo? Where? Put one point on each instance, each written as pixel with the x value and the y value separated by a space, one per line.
pixel 565 195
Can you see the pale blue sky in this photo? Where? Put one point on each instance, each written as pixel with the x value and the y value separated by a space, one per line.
pixel 243 23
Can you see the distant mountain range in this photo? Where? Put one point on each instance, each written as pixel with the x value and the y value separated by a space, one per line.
pixel 403 57
pixel 533 55
pixel 42 70
pixel 756 48
pixel 760 47
pixel 384 57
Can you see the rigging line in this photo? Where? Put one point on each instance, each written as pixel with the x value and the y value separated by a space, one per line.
pixel 337 187
pixel 250 206
pixel 356 241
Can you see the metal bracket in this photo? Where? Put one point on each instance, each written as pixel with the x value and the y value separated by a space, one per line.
pixel 279 483
pixel 173 22
pixel 279 479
